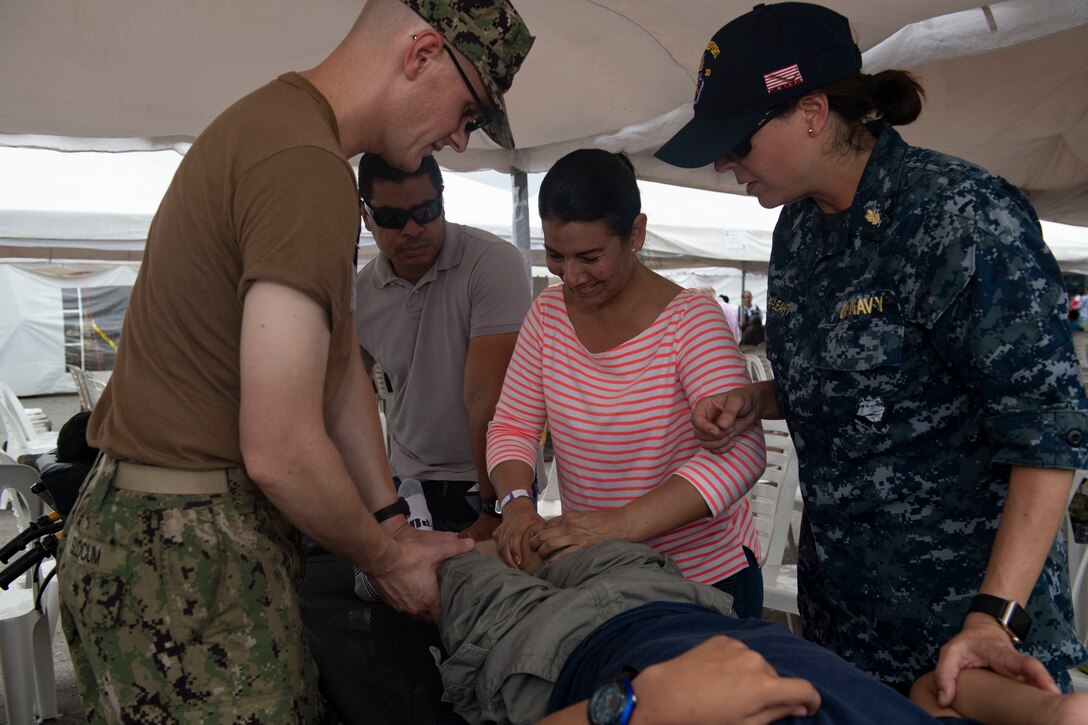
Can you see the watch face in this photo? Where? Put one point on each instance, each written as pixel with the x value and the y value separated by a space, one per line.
pixel 607 703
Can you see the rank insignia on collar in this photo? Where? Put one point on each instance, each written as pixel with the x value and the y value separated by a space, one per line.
pixel 873 217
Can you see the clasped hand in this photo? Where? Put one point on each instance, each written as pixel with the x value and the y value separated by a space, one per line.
pixel 575 530
pixel 559 536
pixel 410 583
pixel 983 643
pixel 719 419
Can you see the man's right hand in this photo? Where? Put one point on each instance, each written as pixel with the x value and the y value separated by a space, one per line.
pixel 410 583
pixel 719 419
pixel 720 682
pixel 517 518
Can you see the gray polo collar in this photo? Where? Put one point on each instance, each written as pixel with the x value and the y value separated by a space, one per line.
pixel 449 256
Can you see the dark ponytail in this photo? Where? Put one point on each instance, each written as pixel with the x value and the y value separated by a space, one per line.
pixel 865 102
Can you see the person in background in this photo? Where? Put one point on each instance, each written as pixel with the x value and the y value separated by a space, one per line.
pixel 1074 320
pixel 612 361
pixel 439 308
pixel 239 413
pixel 751 321
pixel 916 326
pixel 728 310
pixel 747 311
pixel 64 468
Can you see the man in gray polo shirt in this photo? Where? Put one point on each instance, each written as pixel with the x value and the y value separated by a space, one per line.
pixel 439 309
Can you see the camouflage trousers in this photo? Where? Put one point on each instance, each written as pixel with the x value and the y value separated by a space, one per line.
pixel 183 608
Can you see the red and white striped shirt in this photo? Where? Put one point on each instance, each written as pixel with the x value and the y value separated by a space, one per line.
pixel 621 422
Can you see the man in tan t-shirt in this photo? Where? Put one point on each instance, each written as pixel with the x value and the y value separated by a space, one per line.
pixel 239 410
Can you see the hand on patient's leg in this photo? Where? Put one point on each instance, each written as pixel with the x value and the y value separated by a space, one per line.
pixel 720 682
pixel 530 559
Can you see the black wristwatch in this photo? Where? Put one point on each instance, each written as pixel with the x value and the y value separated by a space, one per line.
pixel 1008 613
pixel 399 507
pixel 487 506
pixel 612 703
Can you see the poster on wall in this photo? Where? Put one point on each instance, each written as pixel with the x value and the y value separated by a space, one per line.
pixel 92 325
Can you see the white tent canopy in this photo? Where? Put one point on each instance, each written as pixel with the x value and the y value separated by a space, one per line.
pixel 1005 81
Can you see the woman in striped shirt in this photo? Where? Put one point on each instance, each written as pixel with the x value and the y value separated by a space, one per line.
pixel 612 360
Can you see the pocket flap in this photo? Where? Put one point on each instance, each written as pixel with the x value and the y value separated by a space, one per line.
pixel 861 345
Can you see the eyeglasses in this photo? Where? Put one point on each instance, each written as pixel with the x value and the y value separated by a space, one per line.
pixel 744 148
pixel 391 218
pixel 481 120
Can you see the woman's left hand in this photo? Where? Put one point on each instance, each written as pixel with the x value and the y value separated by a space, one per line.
pixel 575 530
pixel 983 643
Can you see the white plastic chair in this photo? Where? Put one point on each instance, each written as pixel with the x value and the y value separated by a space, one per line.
pixel 95 387
pixel 773 501
pixel 26 632
pixel 548 505
pixel 79 377
pixel 385 400
pixel 756 371
pixel 39 420
pixel 22 438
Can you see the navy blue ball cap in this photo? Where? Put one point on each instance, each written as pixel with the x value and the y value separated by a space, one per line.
pixel 763 59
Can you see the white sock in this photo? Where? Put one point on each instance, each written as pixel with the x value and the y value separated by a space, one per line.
pixel 411 490
pixel 419 516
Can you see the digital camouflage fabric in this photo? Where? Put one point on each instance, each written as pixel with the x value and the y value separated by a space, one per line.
pixel 493 37
pixel 185 609
pixel 920 350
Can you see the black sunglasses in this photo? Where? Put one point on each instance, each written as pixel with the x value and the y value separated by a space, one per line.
pixel 391 218
pixel 481 120
pixel 744 148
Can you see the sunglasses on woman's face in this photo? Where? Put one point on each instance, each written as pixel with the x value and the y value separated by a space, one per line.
pixel 744 148
pixel 392 218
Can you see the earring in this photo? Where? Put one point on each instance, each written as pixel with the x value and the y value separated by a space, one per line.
pixel 810 132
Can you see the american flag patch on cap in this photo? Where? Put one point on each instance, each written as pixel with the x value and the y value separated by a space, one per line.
pixel 782 78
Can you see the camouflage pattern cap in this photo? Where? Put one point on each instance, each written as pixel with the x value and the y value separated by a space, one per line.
pixel 493 37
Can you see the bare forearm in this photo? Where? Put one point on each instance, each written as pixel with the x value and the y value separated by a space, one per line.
pixel 669 506
pixel 316 494
pixel 1033 512
pixel 511 475
pixel 988 697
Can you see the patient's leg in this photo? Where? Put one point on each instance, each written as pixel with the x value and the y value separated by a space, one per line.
pixel 996 700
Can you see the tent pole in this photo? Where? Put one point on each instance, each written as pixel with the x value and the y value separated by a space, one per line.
pixel 519 230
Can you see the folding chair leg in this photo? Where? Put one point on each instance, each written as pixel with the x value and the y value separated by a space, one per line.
pixel 45 676
pixel 16 645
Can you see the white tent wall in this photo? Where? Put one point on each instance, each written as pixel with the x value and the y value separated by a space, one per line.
pixel 725 281
pixel 32 322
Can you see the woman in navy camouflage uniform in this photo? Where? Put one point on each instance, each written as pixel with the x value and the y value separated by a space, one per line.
pixel 915 322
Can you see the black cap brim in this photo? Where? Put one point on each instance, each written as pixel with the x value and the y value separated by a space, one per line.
pixel 703 141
